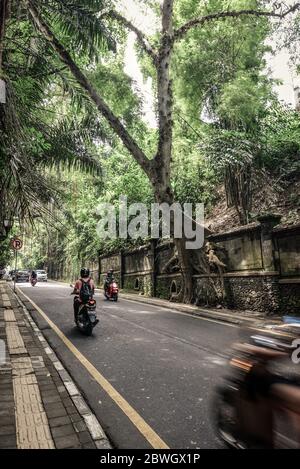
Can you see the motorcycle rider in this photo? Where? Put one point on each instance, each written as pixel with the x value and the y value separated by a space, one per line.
pixel 33 275
pixel 108 279
pixel 84 278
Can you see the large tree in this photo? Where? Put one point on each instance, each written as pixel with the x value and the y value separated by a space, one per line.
pixel 34 133
pixel 54 20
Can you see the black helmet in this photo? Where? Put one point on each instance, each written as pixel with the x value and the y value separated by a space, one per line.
pixel 84 273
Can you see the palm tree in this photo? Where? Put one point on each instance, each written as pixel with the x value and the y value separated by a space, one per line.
pixel 32 134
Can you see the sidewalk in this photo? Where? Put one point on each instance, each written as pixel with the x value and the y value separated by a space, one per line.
pixel 40 406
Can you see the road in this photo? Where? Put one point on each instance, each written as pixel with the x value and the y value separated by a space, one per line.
pixel 163 363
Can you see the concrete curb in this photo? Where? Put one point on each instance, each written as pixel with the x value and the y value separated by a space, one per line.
pixel 96 431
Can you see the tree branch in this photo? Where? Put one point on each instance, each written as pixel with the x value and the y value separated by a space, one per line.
pixel 83 81
pixel 146 46
pixel 180 32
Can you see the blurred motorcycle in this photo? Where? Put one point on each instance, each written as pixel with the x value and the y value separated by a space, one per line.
pixel 259 406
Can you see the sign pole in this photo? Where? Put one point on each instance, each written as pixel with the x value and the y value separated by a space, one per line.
pixel 16 244
pixel 16 261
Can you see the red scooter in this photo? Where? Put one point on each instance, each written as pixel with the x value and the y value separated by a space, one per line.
pixel 33 282
pixel 111 291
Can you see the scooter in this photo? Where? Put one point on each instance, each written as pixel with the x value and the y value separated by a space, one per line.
pixel 33 282
pixel 258 407
pixel 86 318
pixel 112 291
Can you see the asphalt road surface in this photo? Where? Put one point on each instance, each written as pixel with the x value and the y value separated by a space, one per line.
pixel 163 363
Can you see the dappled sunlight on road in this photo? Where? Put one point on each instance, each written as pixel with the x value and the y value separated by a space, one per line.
pixel 41 285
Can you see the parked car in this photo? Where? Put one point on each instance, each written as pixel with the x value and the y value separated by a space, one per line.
pixel 22 276
pixel 41 276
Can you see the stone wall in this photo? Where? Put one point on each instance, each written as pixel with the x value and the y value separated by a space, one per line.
pixel 255 292
pixel 289 293
pixel 262 269
pixel 69 270
pixel 243 248
pixel 109 262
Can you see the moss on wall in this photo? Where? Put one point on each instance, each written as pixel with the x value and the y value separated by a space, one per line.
pixel 163 288
pixel 144 282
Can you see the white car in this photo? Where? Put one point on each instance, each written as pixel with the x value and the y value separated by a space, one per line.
pixel 41 276
pixel 6 275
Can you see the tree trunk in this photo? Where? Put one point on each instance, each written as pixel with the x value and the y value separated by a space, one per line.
pixel 163 194
pixel 238 189
pixel 4 13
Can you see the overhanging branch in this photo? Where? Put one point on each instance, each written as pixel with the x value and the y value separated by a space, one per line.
pixel 180 32
pixel 142 39
pixel 83 81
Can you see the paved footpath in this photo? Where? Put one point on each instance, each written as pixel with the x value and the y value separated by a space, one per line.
pixel 40 406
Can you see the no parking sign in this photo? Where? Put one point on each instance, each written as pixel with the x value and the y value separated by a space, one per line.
pixel 16 244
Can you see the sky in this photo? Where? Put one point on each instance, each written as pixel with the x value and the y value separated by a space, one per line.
pixel 144 18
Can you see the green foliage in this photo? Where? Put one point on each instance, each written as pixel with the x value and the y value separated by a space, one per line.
pixel 224 116
pixel 219 66
pixel 241 104
pixel 6 254
pixel 40 125
pixel 280 142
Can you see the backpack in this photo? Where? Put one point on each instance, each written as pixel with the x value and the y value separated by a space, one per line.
pixel 85 291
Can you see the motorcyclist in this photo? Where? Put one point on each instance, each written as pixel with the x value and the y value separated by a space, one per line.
pixel 84 278
pixel 108 279
pixel 33 275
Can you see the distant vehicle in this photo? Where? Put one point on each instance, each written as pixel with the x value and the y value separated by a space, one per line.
pixel 111 291
pixel 12 273
pixel 6 275
pixel 42 276
pixel 33 281
pixel 22 276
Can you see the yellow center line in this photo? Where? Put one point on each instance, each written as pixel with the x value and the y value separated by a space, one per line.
pixel 150 435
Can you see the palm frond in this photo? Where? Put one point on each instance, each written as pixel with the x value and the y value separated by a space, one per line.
pixel 78 20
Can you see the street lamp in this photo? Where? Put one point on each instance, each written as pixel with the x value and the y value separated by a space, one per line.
pixel 7 225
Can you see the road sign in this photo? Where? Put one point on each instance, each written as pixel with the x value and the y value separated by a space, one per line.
pixel 16 244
